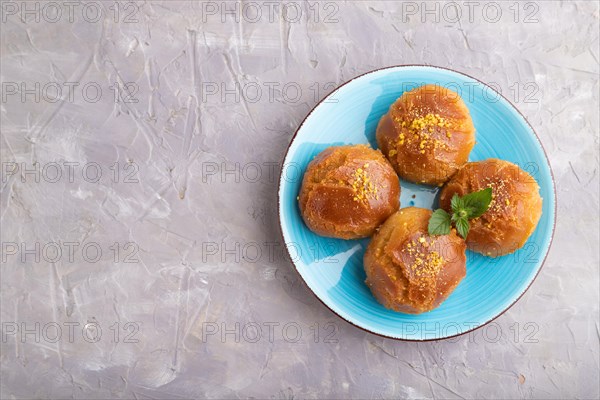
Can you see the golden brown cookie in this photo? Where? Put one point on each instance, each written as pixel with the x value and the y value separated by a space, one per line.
pixel 409 270
pixel 427 134
pixel 348 191
pixel 514 212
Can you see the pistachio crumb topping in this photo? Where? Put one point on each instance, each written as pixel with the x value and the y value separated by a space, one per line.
pixel 427 262
pixel 500 196
pixel 362 186
pixel 420 129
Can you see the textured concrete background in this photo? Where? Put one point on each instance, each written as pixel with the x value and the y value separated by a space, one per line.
pixel 152 134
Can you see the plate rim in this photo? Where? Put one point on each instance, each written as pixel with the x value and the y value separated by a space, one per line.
pixel 279 199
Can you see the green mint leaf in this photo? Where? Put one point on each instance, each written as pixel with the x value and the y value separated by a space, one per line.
pixel 464 208
pixel 462 227
pixel 456 203
pixel 477 203
pixel 439 223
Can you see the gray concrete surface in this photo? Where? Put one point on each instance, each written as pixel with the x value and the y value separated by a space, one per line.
pixel 140 144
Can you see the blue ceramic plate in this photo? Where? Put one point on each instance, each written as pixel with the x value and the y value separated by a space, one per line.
pixel 333 269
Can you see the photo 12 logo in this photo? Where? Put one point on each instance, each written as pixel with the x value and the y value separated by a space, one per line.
pixel 454 12
pixel 488 333
pixel 69 252
pixel 270 332
pixel 69 171
pixel 491 92
pixel 53 12
pixel 52 92
pixel 70 332
pixel 270 11
pixel 267 92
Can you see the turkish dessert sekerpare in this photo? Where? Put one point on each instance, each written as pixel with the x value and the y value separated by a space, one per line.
pixel 348 191
pixel 513 213
pixel 409 270
pixel 416 257
pixel 427 134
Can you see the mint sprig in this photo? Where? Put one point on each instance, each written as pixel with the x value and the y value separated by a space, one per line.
pixel 439 223
pixel 464 208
